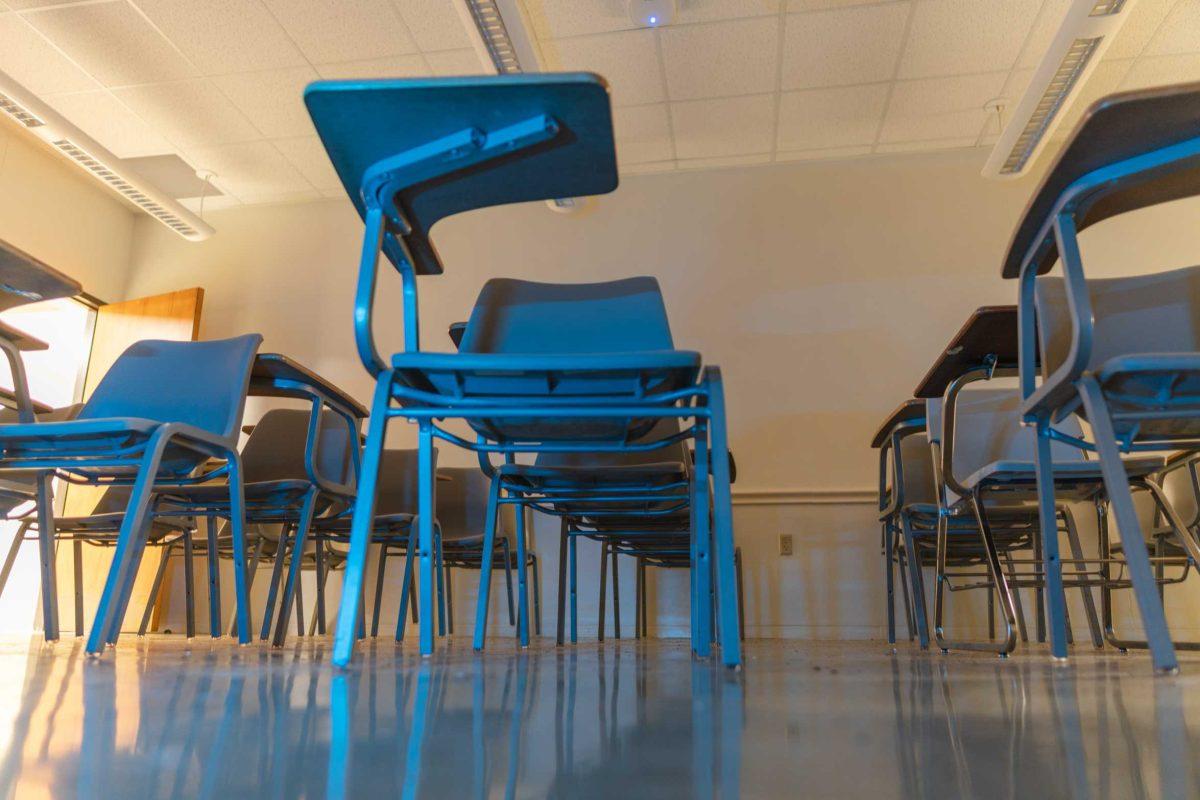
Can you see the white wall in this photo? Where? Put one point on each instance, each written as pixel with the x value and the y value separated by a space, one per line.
pixel 823 290
pixel 57 213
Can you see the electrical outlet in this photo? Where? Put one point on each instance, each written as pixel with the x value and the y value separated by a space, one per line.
pixel 785 544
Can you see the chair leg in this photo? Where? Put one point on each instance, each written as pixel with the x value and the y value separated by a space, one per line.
pixel 109 611
pixel 189 585
pixel 700 575
pixel 1017 605
pixel 573 578
pixel 251 571
pixel 909 621
pixel 722 529
pixel 282 548
pixel 319 574
pixel 125 590
pixel 408 591
pixel 1089 602
pixel 439 571
pixel 344 635
pixel 603 589
pixel 449 600
pixel 483 600
pixel 637 598
pixel 292 587
pixel 644 611
pixel 77 569
pixel 214 579
pixel 379 574
pixel 298 602
pixel 537 594
pixel 425 534
pixel 560 632
pixel 506 553
pixel 1052 578
pixel 737 561
pixel 46 537
pixel 616 592
pixel 1116 482
pixel 13 549
pixel 412 601
pixel 916 584
pixel 522 580
pixel 889 556
pixel 155 588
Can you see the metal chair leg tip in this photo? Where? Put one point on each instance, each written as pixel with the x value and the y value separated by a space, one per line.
pixel 1167 671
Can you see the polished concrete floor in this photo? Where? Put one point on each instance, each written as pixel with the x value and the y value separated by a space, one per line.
pixel 161 717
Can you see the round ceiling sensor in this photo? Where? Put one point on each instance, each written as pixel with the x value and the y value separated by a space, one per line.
pixel 652 13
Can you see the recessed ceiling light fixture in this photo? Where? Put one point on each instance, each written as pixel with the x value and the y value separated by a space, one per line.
pixel 652 13
pixel 1087 29
pixel 27 110
pixel 500 34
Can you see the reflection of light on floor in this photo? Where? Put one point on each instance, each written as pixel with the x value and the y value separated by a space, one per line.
pixel 55 377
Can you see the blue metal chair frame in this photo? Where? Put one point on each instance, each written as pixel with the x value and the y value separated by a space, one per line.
pixel 1147 152
pixel 277 376
pixel 104 451
pixel 492 128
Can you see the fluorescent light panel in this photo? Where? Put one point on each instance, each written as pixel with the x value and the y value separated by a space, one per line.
pixel 500 33
pixel 1086 31
pixel 85 152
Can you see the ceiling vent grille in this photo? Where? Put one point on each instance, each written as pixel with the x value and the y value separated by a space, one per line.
pixel 1087 28
pixel 91 156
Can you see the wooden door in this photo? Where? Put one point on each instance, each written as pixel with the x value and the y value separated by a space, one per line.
pixel 175 316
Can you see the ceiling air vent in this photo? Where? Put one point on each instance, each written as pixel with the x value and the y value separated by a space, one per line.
pixel 90 155
pixel 1086 31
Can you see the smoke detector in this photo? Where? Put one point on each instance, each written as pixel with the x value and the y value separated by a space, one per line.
pixel 652 13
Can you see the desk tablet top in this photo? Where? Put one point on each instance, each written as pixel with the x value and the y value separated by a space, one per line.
pixel 270 369
pixel 21 339
pixel 1114 129
pixel 990 330
pixel 908 411
pixel 363 122
pixel 25 279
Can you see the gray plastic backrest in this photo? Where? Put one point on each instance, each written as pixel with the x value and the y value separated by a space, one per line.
pixel 933 420
pixel 198 383
pixel 664 427
pixel 1157 313
pixel 462 504
pixel 916 460
pixel 524 317
pixel 398 477
pixel 987 428
pixel 275 449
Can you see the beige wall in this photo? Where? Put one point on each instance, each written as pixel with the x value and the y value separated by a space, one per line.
pixel 59 214
pixel 823 290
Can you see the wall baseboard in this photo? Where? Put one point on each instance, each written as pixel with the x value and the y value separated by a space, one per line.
pixel 805 497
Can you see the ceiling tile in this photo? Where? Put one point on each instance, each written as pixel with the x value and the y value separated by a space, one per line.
pixel 557 18
pixel 21 5
pixel 329 31
pixel 952 37
pixel 307 154
pixel 727 127
pixel 113 42
pixel 628 60
pixel 711 10
pixel 721 58
pixel 189 113
pixel 816 5
pixel 100 115
pixel 838 117
pixel 457 62
pixel 392 67
pixel 1179 32
pixel 927 146
pixel 940 108
pixel 1045 27
pixel 649 168
pixel 1139 28
pixel 722 161
pixel 434 24
pixel 221 36
pixel 842 46
pixel 643 134
pixel 823 154
pixel 273 100
pixel 1161 71
pixel 34 63
pixel 250 171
